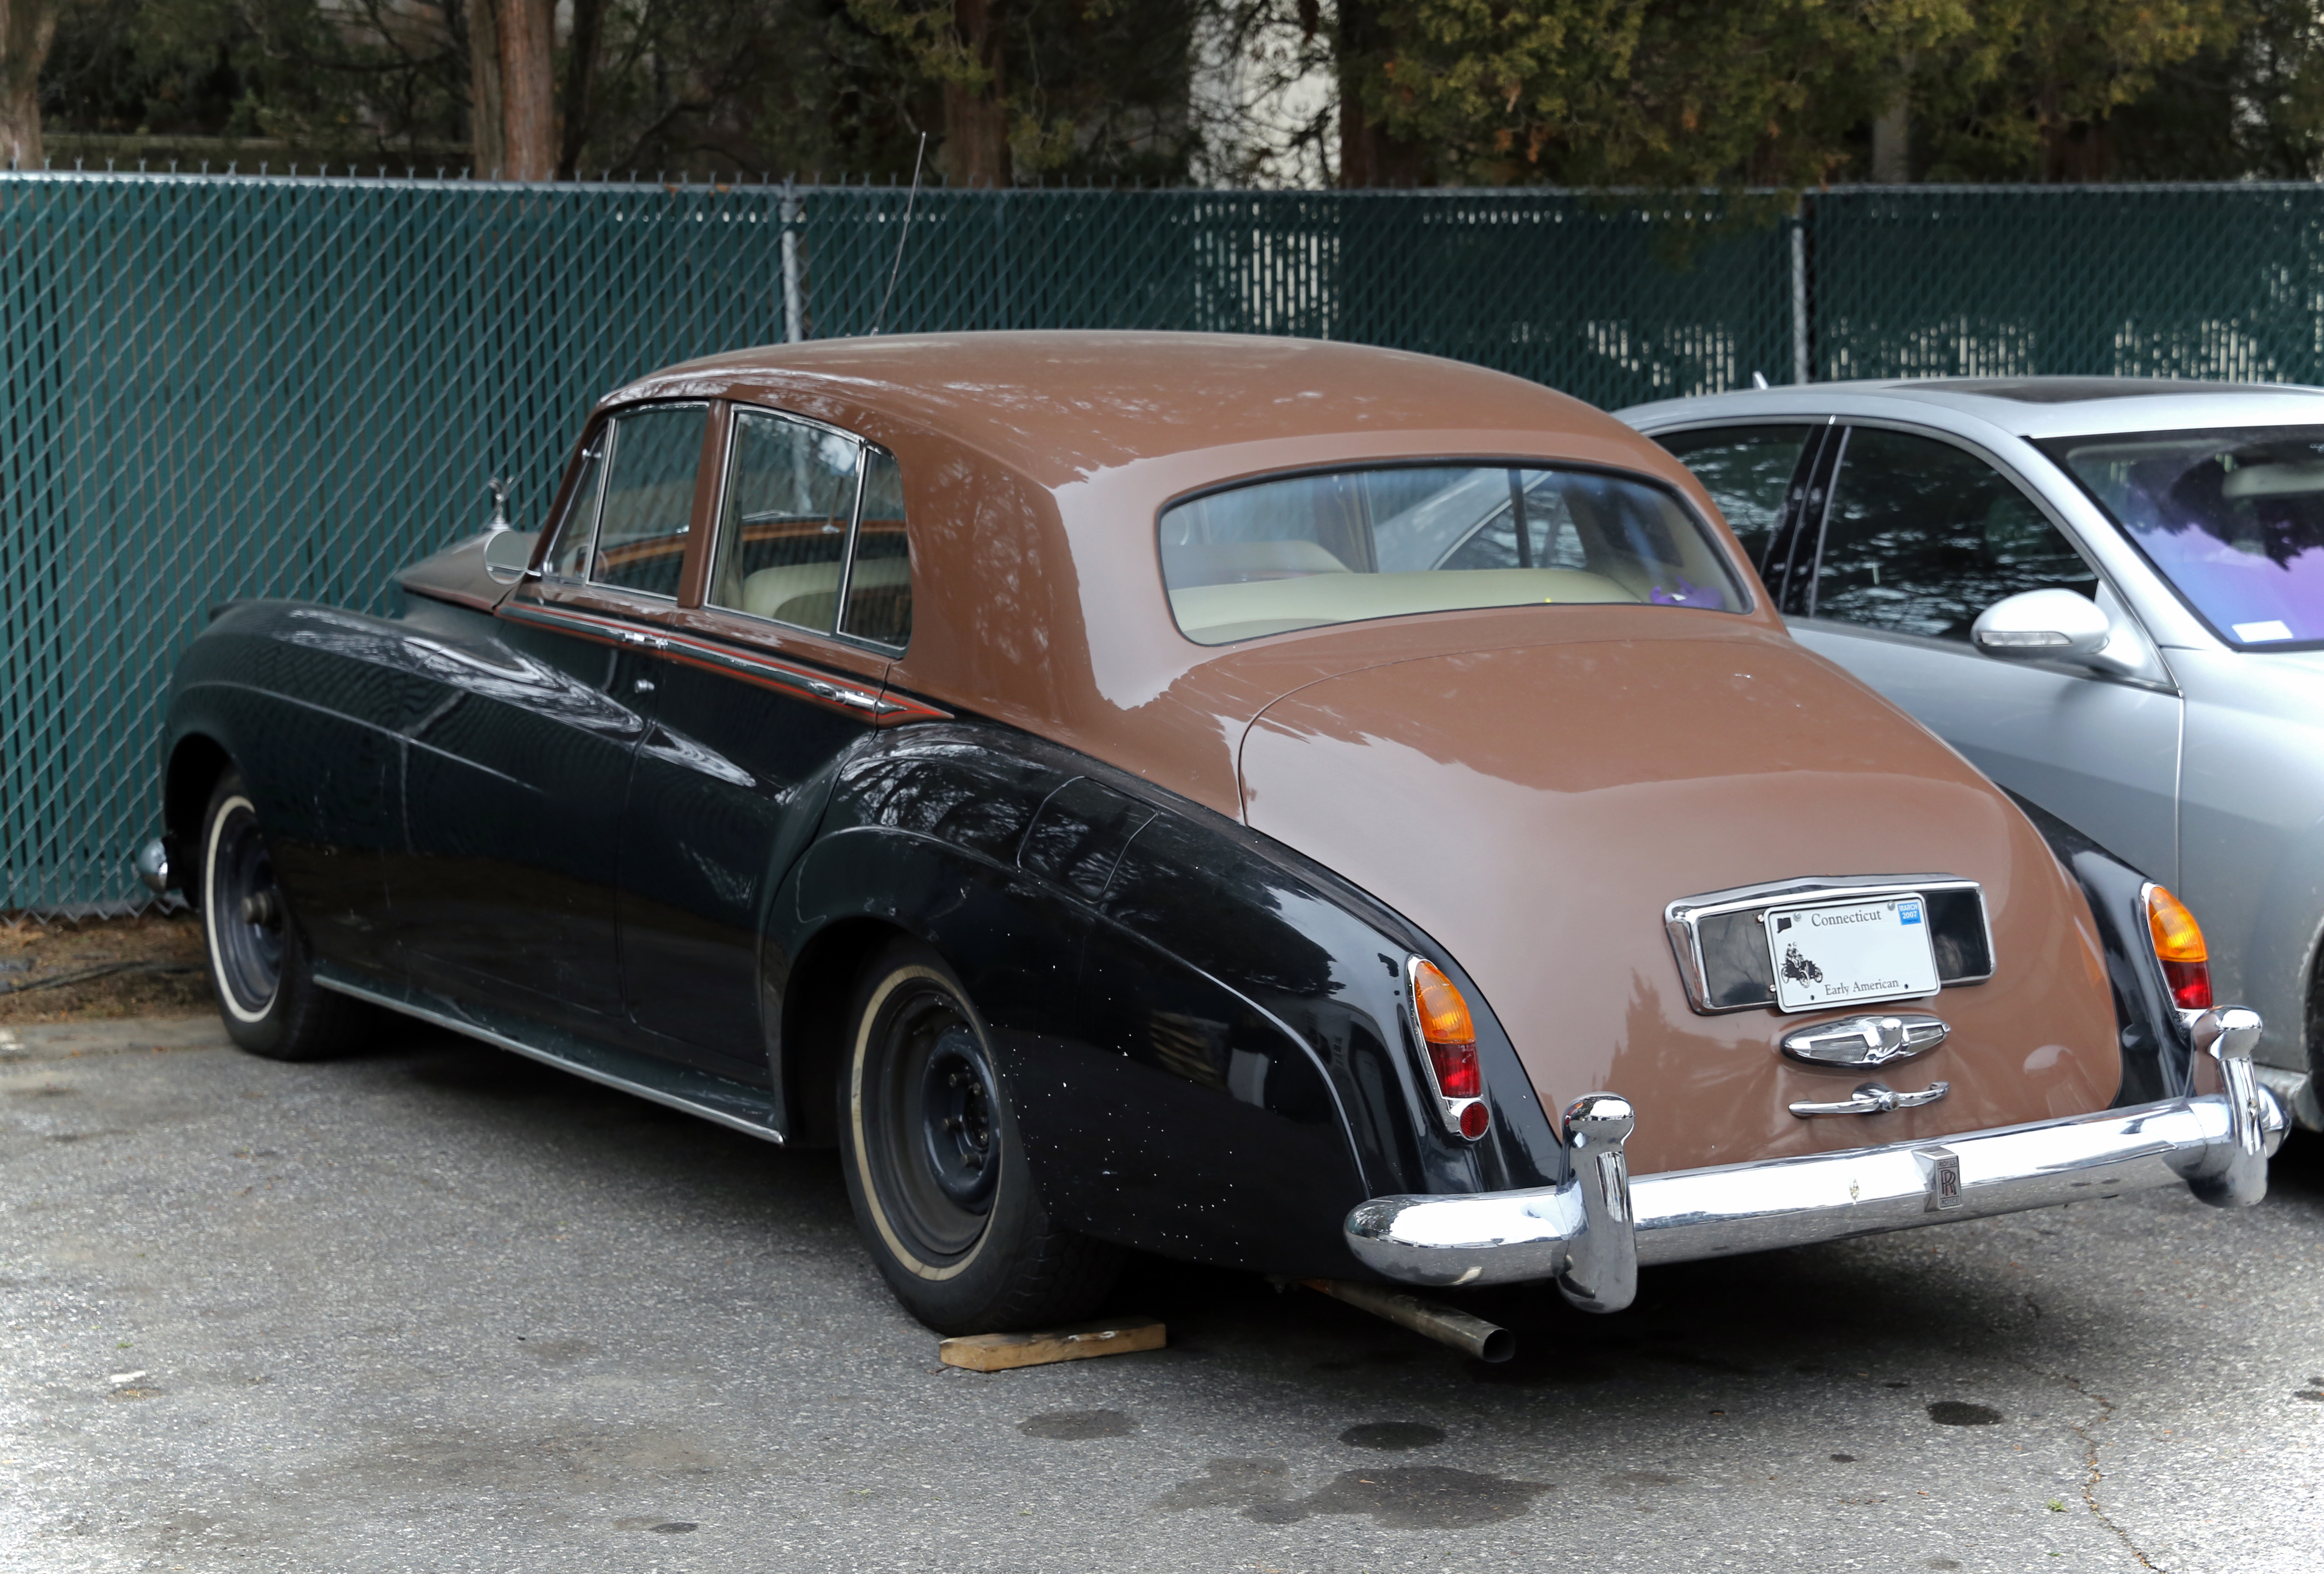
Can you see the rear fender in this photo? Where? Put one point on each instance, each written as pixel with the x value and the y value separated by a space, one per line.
pixel 1206 1045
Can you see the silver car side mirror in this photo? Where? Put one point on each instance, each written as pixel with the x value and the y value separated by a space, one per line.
pixel 2038 624
pixel 508 554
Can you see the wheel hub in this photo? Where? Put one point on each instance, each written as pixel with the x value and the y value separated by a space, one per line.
pixel 956 1104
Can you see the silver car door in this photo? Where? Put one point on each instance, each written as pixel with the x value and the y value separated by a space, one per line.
pixel 1921 533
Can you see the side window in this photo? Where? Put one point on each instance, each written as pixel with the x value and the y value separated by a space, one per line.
pixel 649 499
pixel 880 582
pixel 1747 470
pixel 782 530
pixel 578 533
pixel 1921 536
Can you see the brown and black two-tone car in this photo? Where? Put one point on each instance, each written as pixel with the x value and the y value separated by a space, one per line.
pixel 1315 809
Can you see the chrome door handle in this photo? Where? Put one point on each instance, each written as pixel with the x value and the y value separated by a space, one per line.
pixel 1875 1099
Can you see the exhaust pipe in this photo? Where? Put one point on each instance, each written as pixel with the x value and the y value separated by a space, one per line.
pixel 1472 1336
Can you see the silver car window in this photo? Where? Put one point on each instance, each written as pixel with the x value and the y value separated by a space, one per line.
pixel 1921 536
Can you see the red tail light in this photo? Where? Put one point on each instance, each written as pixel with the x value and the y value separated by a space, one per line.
pixel 1451 1035
pixel 2179 947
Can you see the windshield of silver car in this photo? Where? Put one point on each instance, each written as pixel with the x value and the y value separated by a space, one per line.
pixel 2233 517
pixel 1343 546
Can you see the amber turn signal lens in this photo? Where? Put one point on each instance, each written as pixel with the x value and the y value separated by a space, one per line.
pixel 2179 947
pixel 1451 1033
pixel 1444 1013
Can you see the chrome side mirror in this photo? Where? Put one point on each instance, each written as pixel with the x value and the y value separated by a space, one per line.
pixel 2036 625
pixel 508 554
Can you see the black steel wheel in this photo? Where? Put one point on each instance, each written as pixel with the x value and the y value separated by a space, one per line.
pixel 936 1169
pixel 258 963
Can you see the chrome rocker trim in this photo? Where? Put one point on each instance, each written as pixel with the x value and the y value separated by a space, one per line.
pixel 1592 1233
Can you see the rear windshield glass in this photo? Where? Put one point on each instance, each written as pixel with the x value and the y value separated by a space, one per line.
pixel 2233 517
pixel 1301 551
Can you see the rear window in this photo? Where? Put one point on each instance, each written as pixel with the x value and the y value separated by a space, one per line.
pixel 1303 551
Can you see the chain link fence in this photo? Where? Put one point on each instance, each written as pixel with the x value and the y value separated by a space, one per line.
pixel 216 386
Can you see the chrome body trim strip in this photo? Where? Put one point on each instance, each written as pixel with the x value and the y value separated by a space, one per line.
pixel 870 703
pixel 729 1103
pixel 1683 920
pixel 2217 1144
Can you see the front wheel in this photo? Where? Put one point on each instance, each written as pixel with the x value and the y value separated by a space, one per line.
pixel 258 965
pixel 936 1168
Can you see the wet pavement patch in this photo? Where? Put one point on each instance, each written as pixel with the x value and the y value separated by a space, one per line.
pixel 675 1527
pixel 1393 1436
pixel 1397 1497
pixel 1073 1426
pixel 1958 1413
pixel 1843 1458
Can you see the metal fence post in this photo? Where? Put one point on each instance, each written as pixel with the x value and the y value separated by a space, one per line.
pixel 794 309
pixel 1802 370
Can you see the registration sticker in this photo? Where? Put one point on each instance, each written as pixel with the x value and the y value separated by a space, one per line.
pixel 1847 952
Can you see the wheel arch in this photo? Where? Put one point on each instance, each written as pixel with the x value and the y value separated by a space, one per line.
pixel 820 986
pixel 197 762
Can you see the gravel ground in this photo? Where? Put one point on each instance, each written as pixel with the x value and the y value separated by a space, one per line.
pixel 438 1307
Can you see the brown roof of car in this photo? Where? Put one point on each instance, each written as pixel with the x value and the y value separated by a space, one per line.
pixel 1035 466
pixel 1058 404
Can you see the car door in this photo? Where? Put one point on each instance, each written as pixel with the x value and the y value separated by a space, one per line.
pixel 1905 537
pixel 772 672
pixel 515 780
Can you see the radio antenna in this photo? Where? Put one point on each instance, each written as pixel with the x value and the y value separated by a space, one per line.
pixel 881 316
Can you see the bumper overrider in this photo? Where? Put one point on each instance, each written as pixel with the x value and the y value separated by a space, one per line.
pixel 1592 1233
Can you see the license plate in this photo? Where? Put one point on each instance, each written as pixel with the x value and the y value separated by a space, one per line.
pixel 1849 952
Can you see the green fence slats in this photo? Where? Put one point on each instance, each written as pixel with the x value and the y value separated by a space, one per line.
pixel 213 387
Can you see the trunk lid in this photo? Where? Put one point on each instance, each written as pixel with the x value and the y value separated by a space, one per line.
pixel 1535 807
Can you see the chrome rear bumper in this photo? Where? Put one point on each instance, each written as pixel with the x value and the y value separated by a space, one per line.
pixel 1591 1234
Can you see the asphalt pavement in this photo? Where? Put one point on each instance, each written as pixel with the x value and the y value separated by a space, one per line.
pixel 440 1307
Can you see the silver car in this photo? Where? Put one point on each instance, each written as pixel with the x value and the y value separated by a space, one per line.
pixel 2108 593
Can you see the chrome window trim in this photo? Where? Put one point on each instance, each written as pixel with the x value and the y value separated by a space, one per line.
pixel 614 420
pixel 1682 921
pixel 595 506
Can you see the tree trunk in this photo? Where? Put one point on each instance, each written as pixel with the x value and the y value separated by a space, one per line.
pixel 26 30
pixel 1368 155
pixel 1892 142
pixel 1891 134
pixel 582 53
pixel 487 151
pixel 528 88
pixel 976 116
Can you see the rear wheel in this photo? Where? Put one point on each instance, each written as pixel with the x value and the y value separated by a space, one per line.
pixel 258 963
pixel 936 1168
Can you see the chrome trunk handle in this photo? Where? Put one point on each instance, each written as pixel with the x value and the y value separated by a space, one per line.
pixel 1873 1098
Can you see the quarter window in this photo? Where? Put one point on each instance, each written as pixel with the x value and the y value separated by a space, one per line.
pixel 1747 470
pixel 880 580
pixel 782 531
pixel 1922 536
pixel 649 499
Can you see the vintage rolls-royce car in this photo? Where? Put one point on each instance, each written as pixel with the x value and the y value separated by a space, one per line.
pixel 1279 805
